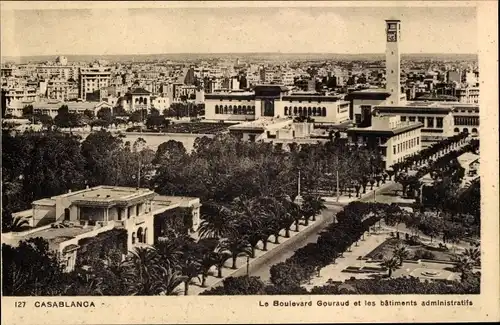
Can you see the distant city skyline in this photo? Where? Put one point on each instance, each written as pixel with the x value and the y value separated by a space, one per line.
pixel 343 30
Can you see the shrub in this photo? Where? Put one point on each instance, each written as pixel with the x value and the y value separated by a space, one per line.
pixel 423 254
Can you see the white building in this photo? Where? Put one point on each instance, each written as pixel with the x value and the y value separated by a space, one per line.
pixel 67 220
pixel 92 79
pixel 395 139
pixel 275 101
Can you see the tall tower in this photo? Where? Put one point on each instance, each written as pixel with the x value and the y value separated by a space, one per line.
pixel 393 60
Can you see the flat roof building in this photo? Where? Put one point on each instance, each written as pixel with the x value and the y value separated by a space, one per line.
pixel 66 220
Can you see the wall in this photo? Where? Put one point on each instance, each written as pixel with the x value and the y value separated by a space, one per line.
pixel 153 140
pixel 43 215
pixel 356 105
pixel 401 139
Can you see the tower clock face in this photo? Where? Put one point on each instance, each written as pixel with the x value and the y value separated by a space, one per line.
pixel 391 37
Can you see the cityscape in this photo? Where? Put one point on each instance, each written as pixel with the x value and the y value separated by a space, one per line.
pixel 346 163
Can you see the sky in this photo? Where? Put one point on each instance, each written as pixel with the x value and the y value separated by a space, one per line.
pixel 349 30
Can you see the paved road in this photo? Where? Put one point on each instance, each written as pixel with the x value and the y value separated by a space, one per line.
pixel 281 253
pixel 261 268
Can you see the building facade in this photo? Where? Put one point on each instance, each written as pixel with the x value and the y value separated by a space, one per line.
pixel 93 79
pixel 275 101
pixel 65 220
pixel 395 140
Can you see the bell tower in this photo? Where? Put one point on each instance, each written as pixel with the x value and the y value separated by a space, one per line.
pixel 393 61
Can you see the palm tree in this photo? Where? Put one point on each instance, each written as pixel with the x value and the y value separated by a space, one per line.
pixel 170 252
pixel 218 222
pixel 237 247
pixel 464 265
pixel 145 263
pixel 17 224
pixel 473 254
pixel 254 237
pixel 207 261
pixel 391 265
pixel 190 269
pixel 220 258
pixel 170 280
pixel 400 253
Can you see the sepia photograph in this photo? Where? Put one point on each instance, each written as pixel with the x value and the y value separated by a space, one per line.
pixel 316 153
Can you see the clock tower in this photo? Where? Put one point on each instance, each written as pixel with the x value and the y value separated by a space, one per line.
pixel 393 61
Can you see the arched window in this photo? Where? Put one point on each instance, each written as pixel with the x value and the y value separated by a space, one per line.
pixel 217 110
pixel 314 111
pixel 145 239
pixel 253 110
pixel 235 109
pixel 225 109
pixel 474 130
pixel 66 214
pixel 133 238
pixel 145 101
pixel 239 110
pixel 295 110
pixel 324 111
pixel 466 130
pixel 456 130
pixel 140 235
pixel 300 111
pixel 286 110
pixel 309 111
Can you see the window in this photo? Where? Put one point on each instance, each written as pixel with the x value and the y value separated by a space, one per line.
pixel 418 141
pixel 294 110
pixel 286 110
pixel 324 111
pixel 430 122
pixel 439 122
pixel 394 149
pixel 403 118
pixel 309 110
pixel 421 119
pixel 412 118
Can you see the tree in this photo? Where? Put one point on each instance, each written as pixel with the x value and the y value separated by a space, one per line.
pixel 138 116
pixel 170 280
pixel 238 286
pixel 237 247
pixel 217 222
pixel 286 274
pixel 220 258
pixel 105 115
pixel 144 262
pixel 400 253
pixel 464 265
pixel 31 269
pixel 473 254
pixel 156 121
pixel 28 111
pixel 88 113
pixel 208 260
pixel 190 268
pixel 391 265
pixel 16 224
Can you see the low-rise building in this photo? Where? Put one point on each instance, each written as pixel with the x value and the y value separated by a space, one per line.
pixel 275 101
pixel 66 220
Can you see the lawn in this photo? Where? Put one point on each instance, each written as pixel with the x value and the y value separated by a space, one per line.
pixel 417 251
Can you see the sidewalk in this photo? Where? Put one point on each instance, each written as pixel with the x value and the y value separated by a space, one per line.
pixel 241 262
pixel 345 199
pixel 334 271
